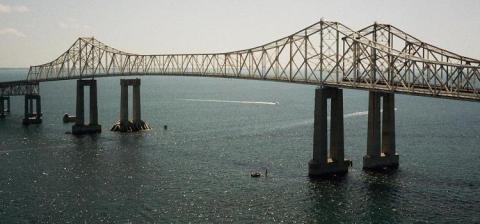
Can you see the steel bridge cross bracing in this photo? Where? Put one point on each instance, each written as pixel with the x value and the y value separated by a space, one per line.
pixel 379 57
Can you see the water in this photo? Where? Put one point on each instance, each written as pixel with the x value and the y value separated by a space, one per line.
pixel 199 169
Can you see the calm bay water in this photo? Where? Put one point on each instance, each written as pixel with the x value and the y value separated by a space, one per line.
pixel 199 169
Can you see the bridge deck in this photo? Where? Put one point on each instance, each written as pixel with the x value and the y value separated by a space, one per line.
pixel 15 87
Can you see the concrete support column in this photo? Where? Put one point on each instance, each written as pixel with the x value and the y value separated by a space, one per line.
pixel 381 133
pixel 32 117
pixel 321 164
pixel 93 103
pixel 137 124
pixel 2 107
pixel 123 103
pixel 80 112
pixel 388 124
pixel 93 126
pixel 30 102
pixel 373 131
pixel 320 153
pixel 8 104
pixel 38 107
pixel 336 127
pixel 27 110
pixel 136 103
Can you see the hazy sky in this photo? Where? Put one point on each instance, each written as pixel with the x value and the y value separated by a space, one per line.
pixel 37 31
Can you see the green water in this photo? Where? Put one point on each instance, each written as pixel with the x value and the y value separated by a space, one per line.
pixel 199 169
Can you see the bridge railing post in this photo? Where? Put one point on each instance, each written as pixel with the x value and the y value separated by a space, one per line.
pixel 322 164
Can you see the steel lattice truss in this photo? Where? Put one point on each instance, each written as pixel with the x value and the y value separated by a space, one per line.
pixel 379 57
pixel 18 88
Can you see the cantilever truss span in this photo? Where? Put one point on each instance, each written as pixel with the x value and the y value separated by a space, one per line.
pixel 379 57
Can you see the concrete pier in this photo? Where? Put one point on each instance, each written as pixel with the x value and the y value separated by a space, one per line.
pixel 3 110
pixel 31 106
pixel 124 124
pixel 322 163
pixel 8 104
pixel 92 127
pixel 32 115
pixel 124 103
pixel 4 106
pixel 381 152
pixel 136 104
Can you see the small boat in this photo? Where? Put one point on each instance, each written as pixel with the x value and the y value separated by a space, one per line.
pixel 255 174
pixel 68 118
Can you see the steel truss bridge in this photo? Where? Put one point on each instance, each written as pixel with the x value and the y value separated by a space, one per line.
pixel 379 57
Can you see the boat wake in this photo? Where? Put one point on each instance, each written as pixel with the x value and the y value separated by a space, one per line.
pixel 360 113
pixel 232 101
pixel 356 114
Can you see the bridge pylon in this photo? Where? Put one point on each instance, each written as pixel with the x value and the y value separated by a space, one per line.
pixel 381 152
pixel 124 124
pixel 328 162
pixel 31 116
pixel 80 127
